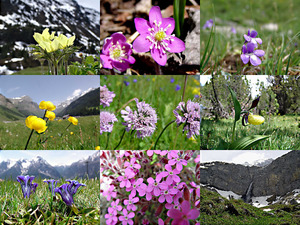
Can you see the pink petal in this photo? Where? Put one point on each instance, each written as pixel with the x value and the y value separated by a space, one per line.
pixel 156 191
pixel 130 222
pixel 172 162
pixel 255 61
pixel 169 199
pixel 141 44
pixel 163 174
pixel 131 215
pixel 176 178
pixel 166 22
pixel 160 222
pixel 106 61
pixel 175 213
pixel 150 180
pixel 176 46
pixel 106 46
pixel 161 198
pixel 155 14
pixel 258 40
pixel 185 206
pixel 148 196
pixel 193 214
pixel 139 181
pixel 141 25
pixel 179 167
pixel 245 58
pixel 169 180
pixel 118 37
pixel 121 218
pixel 121 66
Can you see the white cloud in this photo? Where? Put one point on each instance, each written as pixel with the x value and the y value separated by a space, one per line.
pixel 75 93
pixel 12 89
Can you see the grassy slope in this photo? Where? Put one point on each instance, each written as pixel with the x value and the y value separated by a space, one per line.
pixel 86 135
pixel 216 210
pixel 32 71
pixel 13 206
pixel 161 95
pixel 284 131
pixel 7 114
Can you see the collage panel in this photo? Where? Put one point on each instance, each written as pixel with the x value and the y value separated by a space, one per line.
pixel 150 187
pixel 250 187
pixel 50 37
pixel 250 37
pixel 250 112
pixel 149 112
pixel 149 37
pixel 49 112
pixel 49 187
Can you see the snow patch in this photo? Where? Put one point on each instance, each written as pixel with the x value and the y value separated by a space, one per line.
pixel 228 194
pixel 260 201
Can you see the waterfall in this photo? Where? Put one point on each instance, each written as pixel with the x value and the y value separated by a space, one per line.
pixel 248 195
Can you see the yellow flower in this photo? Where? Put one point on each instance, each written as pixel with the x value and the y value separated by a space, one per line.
pixel 64 41
pixel 50 46
pixel 255 119
pixel 97 148
pixel 51 136
pixel 47 105
pixel 59 120
pixel 50 115
pixel 196 82
pixel 35 123
pixel 45 36
pixel 71 133
pixel 73 120
pixel 196 91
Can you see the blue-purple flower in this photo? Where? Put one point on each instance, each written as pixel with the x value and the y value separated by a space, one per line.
pixel 116 53
pixel 177 87
pixel 208 24
pixel 251 38
pixel 106 96
pixel 189 115
pixel 26 185
pixel 249 54
pixel 126 83
pixel 143 120
pixel 233 30
pixel 156 36
pixel 107 120
pixel 172 80
pixel 67 191
pixel 51 185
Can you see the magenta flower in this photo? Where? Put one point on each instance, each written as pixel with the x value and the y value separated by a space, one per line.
pixel 251 38
pixel 130 203
pixel 160 221
pixel 126 218
pixel 248 53
pixel 139 186
pixel 179 162
pixel 171 175
pixel 155 36
pixel 183 217
pixel 150 152
pixel 167 195
pixel 106 96
pixel 116 53
pixel 107 120
pixel 132 165
pixel 111 216
pixel 115 205
pixel 125 182
pixel 153 186
pixel 110 193
pixel 197 159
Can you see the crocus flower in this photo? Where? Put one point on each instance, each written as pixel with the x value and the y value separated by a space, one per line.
pixel 107 120
pixel 208 24
pixel 251 38
pixel 35 123
pixel 73 120
pixel 116 53
pixel 47 105
pixel 26 185
pixel 51 185
pixel 50 115
pixel 155 36
pixel 106 96
pixel 248 53
pixel 126 218
pixel 183 217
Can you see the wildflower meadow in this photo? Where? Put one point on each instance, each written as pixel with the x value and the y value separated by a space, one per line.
pixel 149 112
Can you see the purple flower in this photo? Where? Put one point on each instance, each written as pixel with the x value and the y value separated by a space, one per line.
pixel 106 96
pixel 51 185
pixel 116 53
pixel 189 115
pixel 179 162
pixel 196 96
pixel 26 185
pixel 126 218
pixel 248 53
pixel 110 193
pixel 183 217
pixel 130 203
pixel 132 165
pixel 177 87
pixel 111 216
pixel 208 24
pixel 143 120
pixel 139 186
pixel 172 80
pixel 107 121
pixel 155 35
pixel 251 38
pixel 233 30
pixel 126 83
pixel 134 80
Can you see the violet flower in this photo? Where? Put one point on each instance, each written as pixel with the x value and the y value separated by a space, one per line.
pixel 26 185
pixel 116 53
pixel 155 36
pixel 188 115
pixel 208 24
pixel 233 30
pixel 106 96
pixel 107 121
pixel 143 120
pixel 248 53
pixel 183 217
pixel 51 185
pixel 251 38
pixel 177 87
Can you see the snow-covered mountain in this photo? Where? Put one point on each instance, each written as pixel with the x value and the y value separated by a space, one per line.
pixel 259 163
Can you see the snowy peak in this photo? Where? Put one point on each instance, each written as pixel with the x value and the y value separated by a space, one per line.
pixel 259 163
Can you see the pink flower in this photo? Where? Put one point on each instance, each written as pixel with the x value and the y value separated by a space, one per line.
pixel 111 217
pixel 116 53
pixel 160 221
pixel 126 218
pixel 155 36
pixel 183 217
pixel 130 203
pixel 139 186
pixel 115 205
pixel 197 159
pixel 132 164
pixel 110 193
pixel 179 162
pixel 150 152
pixel 125 179
pixel 167 195
pixel 153 186
pixel 171 175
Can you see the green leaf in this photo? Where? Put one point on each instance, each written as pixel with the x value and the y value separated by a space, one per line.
pixel 237 106
pixel 246 143
pixel 178 13
pixel 89 60
pixel 204 59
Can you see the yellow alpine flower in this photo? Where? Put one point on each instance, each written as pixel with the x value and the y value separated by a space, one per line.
pixel 255 119
pixel 45 36
pixel 50 115
pixel 97 148
pixel 47 105
pixel 73 120
pixel 35 123
pixel 64 41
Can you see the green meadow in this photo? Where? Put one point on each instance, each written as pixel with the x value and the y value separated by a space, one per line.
pixel 284 133
pixel 84 136
pixel 161 94
pixel 43 209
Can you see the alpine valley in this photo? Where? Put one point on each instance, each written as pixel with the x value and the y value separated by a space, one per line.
pixel 264 193
pixel 19 20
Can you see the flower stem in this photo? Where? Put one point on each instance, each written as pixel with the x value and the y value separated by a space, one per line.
pixel 185 82
pixel 29 139
pixel 233 132
pixel 163 132
pixel 120 139
pixel 107 140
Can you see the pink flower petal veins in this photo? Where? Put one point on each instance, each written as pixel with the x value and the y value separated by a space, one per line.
pixel 142 25
pixel 158 56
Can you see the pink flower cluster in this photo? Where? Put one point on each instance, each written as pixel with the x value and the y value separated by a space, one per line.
pixel 130 183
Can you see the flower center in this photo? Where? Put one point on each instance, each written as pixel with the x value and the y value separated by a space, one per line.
pixel 160 35
pixel 116 52
pixel 130 202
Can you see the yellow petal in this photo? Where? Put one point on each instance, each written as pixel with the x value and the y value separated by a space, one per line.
pixel 38 37
pixel 71 40
pixel 255 119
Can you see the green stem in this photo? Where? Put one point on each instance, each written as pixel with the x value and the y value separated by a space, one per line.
pixel 185 82
pixel 107 140
pixel 233 132
pixel 162 133
pixel 120 139
pixel 29 139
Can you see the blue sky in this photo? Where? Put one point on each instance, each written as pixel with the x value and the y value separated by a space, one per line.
pixel 53 157
pixel 48 88
pixel 94 4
